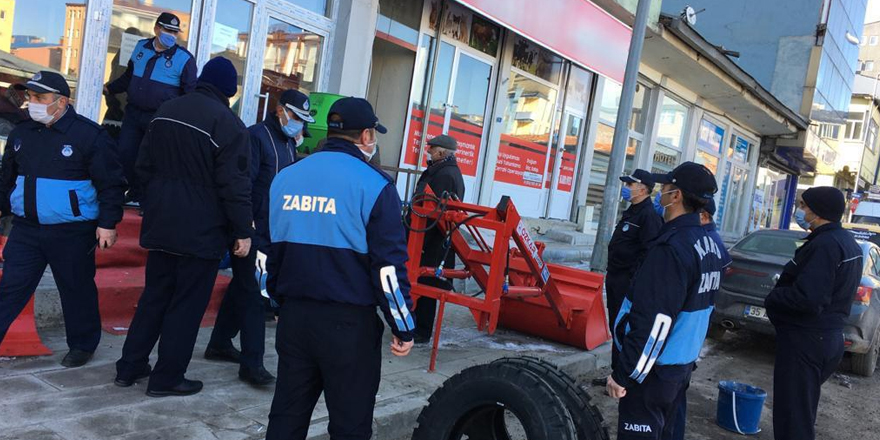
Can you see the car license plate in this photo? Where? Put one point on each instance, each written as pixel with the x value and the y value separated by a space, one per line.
pixel 756 312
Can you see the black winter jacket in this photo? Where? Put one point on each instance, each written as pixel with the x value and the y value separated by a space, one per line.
pixel 817 287
pixel 194 165
pixel 271 151
pixel 442 177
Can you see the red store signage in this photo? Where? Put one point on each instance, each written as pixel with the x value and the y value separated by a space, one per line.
pixel 576 29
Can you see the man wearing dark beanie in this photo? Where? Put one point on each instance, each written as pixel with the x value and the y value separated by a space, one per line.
pixel 194 164
pixel 808 307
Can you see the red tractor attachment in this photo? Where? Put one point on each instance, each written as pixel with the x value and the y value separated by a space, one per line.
pixel 520 291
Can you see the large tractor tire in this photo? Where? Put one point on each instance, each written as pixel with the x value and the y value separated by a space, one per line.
pixel 495 402
pixel 588 421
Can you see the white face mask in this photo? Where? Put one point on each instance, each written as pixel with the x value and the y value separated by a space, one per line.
pixel 668 204
pixel 40 113
pixel 371 146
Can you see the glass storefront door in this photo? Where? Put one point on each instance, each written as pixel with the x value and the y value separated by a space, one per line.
pixel 458 108
pixel 231 39
pixel 563 163
pixel 130 22
pixel 291 60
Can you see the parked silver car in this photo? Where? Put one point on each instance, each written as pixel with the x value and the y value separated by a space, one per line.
pixel 758 260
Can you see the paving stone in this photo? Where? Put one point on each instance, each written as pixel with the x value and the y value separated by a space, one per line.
pixel 33 432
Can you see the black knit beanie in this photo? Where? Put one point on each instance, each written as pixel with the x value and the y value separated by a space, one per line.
pixel 825 201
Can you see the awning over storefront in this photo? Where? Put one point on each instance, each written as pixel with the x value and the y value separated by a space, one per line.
pixel 576 29
pixel 792 160
pixel 681 53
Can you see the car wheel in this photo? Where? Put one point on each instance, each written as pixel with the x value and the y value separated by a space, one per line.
pixel 716 332
pixel 864 364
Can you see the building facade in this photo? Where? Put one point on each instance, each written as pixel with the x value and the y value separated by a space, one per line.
pixel 532 106
pixel 806 53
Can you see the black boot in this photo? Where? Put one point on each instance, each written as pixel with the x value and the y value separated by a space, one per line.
pixel 76 358
pixel 259 377
pixel 230 354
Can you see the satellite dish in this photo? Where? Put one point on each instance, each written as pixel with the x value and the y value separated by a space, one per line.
pixel 689 15
pixel 852 39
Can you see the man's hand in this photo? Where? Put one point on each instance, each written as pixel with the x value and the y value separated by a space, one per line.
pixel 106 237
pixel 106 90
pixel 614 390
pixel 400 348
pixel 242 247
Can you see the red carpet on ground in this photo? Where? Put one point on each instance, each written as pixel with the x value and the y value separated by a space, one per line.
pixel 120 279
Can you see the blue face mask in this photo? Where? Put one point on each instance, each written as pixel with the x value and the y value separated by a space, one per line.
pixel 657 206
pixel 625 193
pixel 800 217
pixel 167 40
pixel 293 128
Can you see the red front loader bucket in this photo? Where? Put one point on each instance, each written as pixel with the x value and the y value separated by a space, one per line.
pixel 582 291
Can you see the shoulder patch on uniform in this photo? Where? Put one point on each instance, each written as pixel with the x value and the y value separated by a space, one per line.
pixel 67 151
pixel 17 145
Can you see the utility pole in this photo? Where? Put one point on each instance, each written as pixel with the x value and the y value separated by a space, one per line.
pixel 611 199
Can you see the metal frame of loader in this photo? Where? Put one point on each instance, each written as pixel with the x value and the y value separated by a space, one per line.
pixel 521 291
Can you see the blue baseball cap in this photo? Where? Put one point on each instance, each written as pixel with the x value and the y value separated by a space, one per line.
pixel 45 81
pixel 354 114
pixel 640 176
pixel 692 178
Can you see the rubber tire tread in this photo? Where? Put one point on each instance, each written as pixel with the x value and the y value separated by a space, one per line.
pixel 864 364
pixel 525 393
pixel 587 419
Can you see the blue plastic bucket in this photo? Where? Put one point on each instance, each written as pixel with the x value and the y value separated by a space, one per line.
pixel 739 407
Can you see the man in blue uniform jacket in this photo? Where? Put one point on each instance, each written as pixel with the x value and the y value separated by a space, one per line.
pixel 62 183
pixel 707 219
pixel 158 70
pixel 273 147
pixel 808 307
pixel 338 251
pixel 665 315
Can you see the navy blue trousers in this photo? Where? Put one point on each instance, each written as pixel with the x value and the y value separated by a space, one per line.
pixel 242 310
pixel 69 251
pixel 804 361
pixel 331 348
pixel 650 410
pixel 134 127
pixel 176 294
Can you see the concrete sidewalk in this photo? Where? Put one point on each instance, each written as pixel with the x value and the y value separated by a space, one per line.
pixel 39 399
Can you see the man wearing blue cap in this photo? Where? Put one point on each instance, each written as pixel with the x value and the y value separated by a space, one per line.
pixel 707 219
pixel 158 70
pixel 273 147
pixel 195 166
pixel 638 225
pixel 665 315
pixel 809 307
pixel 338 251
pixel 62 183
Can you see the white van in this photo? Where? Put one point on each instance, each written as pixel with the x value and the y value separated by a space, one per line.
pixel 867 212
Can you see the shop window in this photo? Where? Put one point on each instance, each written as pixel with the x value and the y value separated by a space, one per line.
pixel 399 22
pixel 739 149
pixel 537 61
pixel 599 167
pixel 665 159
pixel 292 60
pixel 316 6
pixel 462 25
pixel 871 136
pixel 38 41
pixel 231 39
pixel 611 92
pixel 130 23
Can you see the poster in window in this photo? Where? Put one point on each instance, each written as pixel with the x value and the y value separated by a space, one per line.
pixel 710 137
pixel 484 36
pixel 740 150
pixel 456 21
pixel 536 60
